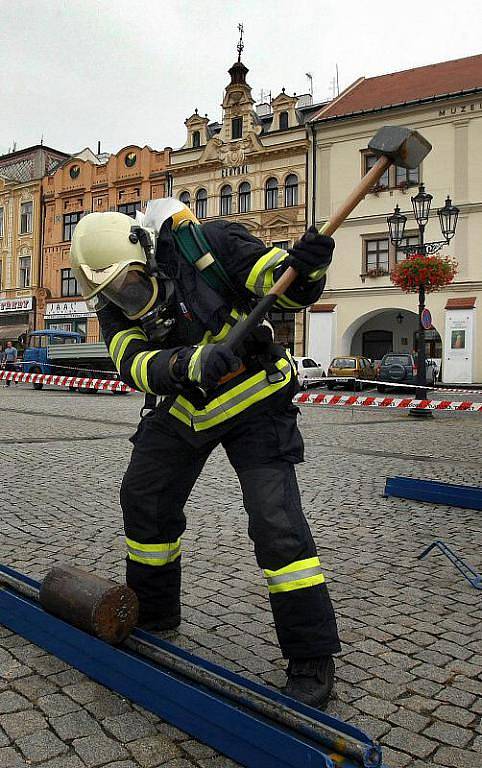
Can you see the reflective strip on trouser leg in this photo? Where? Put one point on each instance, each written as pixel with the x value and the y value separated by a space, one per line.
pixel 297 575
pixel 153 554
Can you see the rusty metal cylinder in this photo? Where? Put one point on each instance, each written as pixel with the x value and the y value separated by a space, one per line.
pixel 98 606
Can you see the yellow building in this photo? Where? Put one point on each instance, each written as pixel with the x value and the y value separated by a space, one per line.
pixel 361 311
pixel 87 182
pixel 21 294
pixel 250 168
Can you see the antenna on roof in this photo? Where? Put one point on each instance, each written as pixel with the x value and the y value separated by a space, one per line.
pixel 310 80
pixel 337 82
pixel 240 45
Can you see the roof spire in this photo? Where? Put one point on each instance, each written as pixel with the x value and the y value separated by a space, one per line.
pixel 240 45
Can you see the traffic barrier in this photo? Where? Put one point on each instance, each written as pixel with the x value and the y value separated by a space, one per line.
pixel 368 401
pixel 304 398
pixel 104 385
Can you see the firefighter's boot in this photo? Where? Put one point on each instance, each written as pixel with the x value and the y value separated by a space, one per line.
pixel 310 680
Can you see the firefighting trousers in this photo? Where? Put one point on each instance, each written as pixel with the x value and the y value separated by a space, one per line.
pixel 262 450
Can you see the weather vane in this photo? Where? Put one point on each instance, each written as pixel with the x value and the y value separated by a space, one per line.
pixel 240 45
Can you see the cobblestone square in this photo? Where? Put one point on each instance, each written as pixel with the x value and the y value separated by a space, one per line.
pixel 411 667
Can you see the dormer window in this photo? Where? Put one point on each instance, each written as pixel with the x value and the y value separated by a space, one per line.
pixel 196 138
pixel 237 128
pixel 283 121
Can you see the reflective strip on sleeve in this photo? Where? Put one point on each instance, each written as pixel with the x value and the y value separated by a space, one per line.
pixel 120 342
pixel 194 368
pixel 139 370
pixel 297 575
pixel 153 554
pixel 261 279
pixel 317 274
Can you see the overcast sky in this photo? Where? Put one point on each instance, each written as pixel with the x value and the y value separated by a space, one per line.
pixel 123 71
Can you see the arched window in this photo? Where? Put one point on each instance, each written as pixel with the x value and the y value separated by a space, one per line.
pixel 196 139
pixel 201 204
pixel 291 190
pixel 283 121
pixel 271 194
pixel 185 198
pixel 226 200
pixel 244 201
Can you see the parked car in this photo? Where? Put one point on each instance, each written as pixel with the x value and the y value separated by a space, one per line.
pixel 309 372
pixel 401 368
pixel 351 367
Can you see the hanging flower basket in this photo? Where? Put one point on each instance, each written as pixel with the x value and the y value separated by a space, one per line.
pixel 433 272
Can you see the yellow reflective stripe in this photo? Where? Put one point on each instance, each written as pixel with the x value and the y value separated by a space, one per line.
pixel 317 274
pixel 120 342
pixel 153 554
pixel 260 279
pixel 297 575
pixel 143 373
pixel 232 402
pixel 135 370
pixel 284 301
pixel 195 367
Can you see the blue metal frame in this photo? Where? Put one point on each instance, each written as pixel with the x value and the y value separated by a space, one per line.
pixel 469 573
pixel 466 496
pixel 251 740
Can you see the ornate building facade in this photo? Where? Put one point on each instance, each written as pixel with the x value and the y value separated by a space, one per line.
pixel 361 311
pixel 250 168
pixel 83 183
pixel 21 293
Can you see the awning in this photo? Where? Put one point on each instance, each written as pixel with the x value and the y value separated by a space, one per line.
pixel 12 332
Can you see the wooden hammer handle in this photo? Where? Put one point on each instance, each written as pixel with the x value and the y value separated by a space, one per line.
pixel 244 327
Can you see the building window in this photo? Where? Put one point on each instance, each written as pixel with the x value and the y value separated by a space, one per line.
pixel 244 203
pixel 408 240
pixel 271 194
pixel 376 255
pixel 283 121
pixel 24 267
pixel 395 176
pixel 70 222
pixel 185 198
pixel 26 218
pixel 129 208
pixel 68 283
pixel 1 222
pixel 201 204
pixel 291 190
pixel 283 244
pixel 196 138
pixel 237 128
pixel 407 177
pixel 226 200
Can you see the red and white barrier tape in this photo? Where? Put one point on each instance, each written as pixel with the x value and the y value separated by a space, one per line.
pixel 306 398
pixel 105 385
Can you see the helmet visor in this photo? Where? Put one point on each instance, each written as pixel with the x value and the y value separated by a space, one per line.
pixel 131 290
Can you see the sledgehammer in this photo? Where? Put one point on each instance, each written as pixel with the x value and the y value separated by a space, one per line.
pixel 403 146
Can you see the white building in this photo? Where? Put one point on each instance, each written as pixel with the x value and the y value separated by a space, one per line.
pixel 361 312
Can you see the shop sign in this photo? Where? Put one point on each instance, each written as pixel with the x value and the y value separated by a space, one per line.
pixel 16 305
pixel 56 310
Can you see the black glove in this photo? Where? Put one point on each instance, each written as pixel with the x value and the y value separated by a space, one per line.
pixel 312 253
pixel 205 365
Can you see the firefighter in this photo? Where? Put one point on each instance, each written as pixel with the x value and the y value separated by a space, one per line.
pixel 165 305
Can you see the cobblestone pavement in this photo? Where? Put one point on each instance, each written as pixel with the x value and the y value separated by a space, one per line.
pixel 411 668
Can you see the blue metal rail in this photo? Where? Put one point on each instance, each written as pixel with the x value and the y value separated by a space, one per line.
pixel 466 496
pixel 248 737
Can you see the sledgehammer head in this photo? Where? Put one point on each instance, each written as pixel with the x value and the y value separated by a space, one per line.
pixel 404 146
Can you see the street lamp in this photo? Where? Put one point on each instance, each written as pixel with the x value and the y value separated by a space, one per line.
pixel 448 216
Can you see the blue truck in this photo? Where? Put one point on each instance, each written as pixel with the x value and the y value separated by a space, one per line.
pixel 65 353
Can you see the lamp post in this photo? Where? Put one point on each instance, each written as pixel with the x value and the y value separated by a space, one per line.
pixel 448 216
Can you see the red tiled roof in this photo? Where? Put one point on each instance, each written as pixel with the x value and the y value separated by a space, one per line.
pixel 409 85
pixel 464 302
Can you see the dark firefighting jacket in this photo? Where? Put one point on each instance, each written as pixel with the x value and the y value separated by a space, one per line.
pixel 203 315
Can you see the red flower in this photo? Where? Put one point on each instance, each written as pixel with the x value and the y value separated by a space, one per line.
pixel 433 272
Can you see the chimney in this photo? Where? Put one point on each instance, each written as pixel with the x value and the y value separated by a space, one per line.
pixel 98 147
